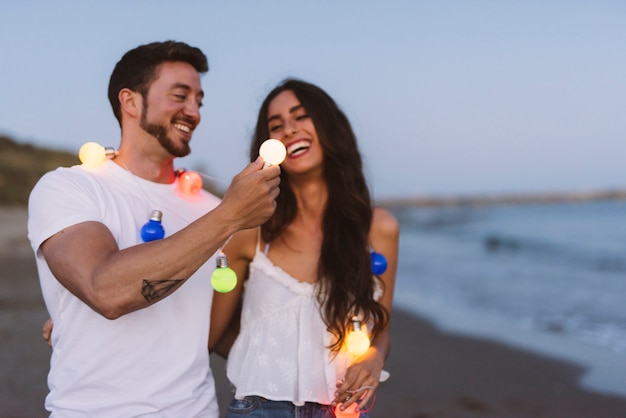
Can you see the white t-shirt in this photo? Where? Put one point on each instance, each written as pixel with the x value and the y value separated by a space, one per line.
pixel 153 362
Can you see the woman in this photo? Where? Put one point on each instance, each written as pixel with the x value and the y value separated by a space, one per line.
pixel 308 270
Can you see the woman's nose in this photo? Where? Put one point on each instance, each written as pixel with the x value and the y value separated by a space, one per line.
pixel 290 129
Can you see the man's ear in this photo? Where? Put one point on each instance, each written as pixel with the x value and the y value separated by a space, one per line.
pixel 130 102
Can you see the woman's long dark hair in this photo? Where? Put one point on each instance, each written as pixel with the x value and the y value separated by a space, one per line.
pixel 345 268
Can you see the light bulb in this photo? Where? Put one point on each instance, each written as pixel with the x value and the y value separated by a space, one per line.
pixel 273 152
pixel 92 154
pixel 379 263
pixel 189 182
pixel 349 412
pixel 153 229
pixel 357 340
pixel 223 279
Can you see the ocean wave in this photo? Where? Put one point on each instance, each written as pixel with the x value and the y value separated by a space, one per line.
pixel 547 251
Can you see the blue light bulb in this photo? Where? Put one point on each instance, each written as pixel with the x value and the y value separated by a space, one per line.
pixel 379 263
pixel 153 229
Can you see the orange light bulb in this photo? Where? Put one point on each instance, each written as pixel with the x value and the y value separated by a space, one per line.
pixel 357 340
pixel 349 412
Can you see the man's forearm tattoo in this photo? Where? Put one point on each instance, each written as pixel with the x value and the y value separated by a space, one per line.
pixel 154 290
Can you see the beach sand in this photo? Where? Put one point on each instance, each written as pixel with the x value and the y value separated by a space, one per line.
pixel 433 374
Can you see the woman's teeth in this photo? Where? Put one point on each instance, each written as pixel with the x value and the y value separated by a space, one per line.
pixel 298 147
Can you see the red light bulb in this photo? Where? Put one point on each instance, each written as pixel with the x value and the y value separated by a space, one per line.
pixel 189 182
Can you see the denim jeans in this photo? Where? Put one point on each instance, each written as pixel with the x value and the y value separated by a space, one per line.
pixel 258 407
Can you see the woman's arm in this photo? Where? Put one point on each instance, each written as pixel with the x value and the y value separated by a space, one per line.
pixel 364 372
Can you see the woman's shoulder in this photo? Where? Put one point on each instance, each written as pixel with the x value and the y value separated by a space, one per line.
pixel 384 223
pixel 243 244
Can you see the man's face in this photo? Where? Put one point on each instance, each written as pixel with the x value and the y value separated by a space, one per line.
pixel 171 109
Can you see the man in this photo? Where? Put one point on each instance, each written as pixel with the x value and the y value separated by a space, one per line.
pixel 131 319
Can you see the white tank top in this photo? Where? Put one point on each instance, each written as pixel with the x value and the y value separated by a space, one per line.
pixel 281 352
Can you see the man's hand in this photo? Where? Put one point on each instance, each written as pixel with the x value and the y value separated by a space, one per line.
pixel 251 196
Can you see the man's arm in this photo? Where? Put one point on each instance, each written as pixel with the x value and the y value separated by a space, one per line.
pixel 86 259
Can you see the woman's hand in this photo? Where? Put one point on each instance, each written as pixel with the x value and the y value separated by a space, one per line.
pixel 46 332
pixel 361 380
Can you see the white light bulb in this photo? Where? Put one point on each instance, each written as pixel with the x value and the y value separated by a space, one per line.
pixel 92 154
pixel 273 152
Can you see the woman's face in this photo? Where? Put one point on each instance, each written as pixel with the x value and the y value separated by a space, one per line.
pixel 288 121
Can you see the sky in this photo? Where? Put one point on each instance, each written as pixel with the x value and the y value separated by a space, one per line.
pixel 446 97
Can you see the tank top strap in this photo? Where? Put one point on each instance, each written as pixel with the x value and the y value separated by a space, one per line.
pixel 258 244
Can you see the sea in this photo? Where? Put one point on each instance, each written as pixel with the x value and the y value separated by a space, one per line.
pixel 547 278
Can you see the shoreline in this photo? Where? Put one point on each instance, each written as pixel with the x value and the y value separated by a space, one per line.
pixel 501 199
pixel 434 373
pixel 604 369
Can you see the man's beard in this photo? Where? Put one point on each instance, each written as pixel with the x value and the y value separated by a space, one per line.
pixel 160 133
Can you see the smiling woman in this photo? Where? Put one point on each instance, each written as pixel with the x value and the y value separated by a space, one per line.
pixel 286 117
pixel 309 279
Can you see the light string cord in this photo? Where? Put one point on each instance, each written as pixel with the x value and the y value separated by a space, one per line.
pixel 220 250
pixel 360 389
pixel 370 404
pixel 150 201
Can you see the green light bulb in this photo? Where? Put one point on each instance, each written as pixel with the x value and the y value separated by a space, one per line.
pixel 223 278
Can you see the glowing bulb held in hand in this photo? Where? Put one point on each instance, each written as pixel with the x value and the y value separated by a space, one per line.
pixel 189 182
pixel 92 154
pixel 153 229
pixel 273 152
pixel 379 263
pixel 349 412
pixel 223 279
pixel 357 340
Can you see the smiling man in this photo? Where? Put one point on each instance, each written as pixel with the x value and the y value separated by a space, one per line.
pixel 131 318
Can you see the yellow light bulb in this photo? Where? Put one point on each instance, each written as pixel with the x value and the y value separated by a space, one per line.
pixel 273 151
pixel 357 340
pixel 92 154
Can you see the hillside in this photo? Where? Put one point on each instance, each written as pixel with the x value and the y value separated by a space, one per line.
pixel 21 165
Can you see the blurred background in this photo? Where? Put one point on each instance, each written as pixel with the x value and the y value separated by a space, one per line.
pixel 447 97
pixel 495 131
